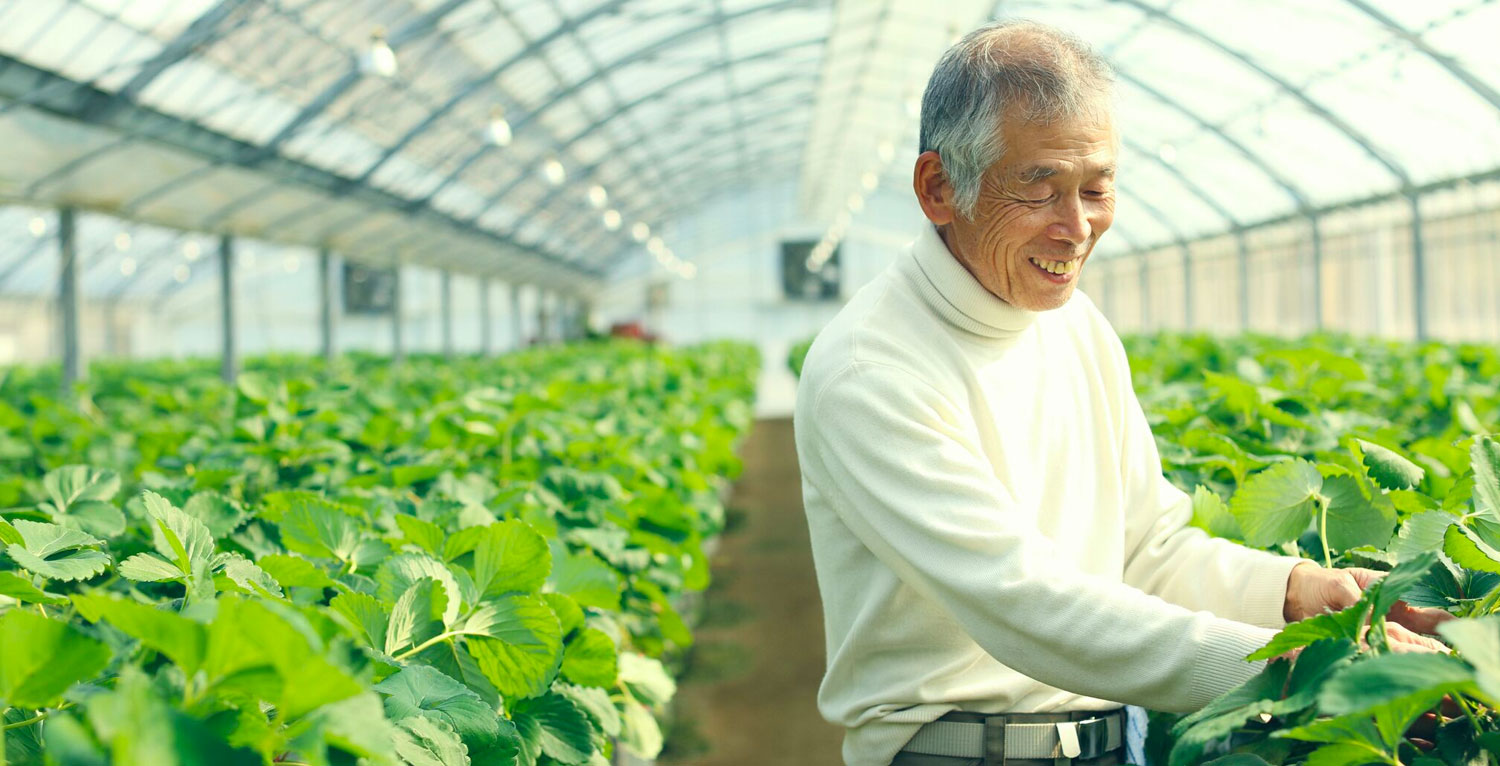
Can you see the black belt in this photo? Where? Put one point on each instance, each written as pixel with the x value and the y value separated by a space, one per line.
pixel 1021 736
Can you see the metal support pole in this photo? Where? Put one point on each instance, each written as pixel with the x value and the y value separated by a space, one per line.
pixel 1187 286
pixel 518 335
pixel 1418 267
pixel 1244 248
pixel 67 298
pixel 447 299
pixel 398 351
pixel 484 317
pixel 325 299
pixel 229 364
pixel 543 331
pixel 1317 273
pixel 1145 292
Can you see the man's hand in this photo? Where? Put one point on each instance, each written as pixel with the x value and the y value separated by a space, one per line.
pixel 1312 590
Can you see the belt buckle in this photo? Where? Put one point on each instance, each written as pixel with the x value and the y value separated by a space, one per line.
pixel 1093 738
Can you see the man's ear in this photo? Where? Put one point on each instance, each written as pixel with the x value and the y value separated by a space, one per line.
pixel 934 193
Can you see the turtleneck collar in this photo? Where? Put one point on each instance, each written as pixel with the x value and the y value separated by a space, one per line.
pixel 955 294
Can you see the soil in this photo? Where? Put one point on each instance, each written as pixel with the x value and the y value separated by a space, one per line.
pixel 749 693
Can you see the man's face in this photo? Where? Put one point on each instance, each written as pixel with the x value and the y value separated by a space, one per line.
pixel 1041 208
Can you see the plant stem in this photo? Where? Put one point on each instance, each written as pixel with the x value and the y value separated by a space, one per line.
pixel 431 642
pixel 23 724
pixel 1323 530
pixel 1468 713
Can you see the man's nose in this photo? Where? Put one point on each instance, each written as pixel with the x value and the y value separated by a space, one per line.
pixel 1072 223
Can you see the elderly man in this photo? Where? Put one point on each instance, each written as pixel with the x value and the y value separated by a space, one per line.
pixel 990 524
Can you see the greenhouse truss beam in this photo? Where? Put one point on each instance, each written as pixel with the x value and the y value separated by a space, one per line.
pixel 1462 73
pixel 25 258
pixel 518 336
pixel 1418 268
pixel 1322 112
pixel 201 31
pixel 23 83
pixel 1193 188
pixel 610 68
pixel 1242 251
pixel 67 297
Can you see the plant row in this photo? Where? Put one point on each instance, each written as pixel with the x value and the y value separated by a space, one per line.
pixel 436 563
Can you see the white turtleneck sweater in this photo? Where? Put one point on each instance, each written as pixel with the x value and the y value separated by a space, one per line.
pixel 990 525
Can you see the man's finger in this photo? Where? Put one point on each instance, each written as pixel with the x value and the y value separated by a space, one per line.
pixel 1403 640
pixel 1422 620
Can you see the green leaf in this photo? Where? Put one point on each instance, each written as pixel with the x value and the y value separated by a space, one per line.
pixel 590 659
pixel 1313 666
pixel 398 573
pixel 1276 505
pixel 595 702
pixel 22 589
pixel 218 513
pixel 421 533
pixel 418 615
pixel 258 646
pixel 1389 469
pixel 569 615
pixel 357 725
pixel 1353 520
pixel 316 527
pixel 149 567
pixel 423 741
pixel 566 734
pixel 1380 680
pixel 80 483
pixel 583 576
pixel 1344 755
pixel 1389 589
pixel 178 537
pixel 294 571
pixel 1468 551
pixel 1421 533
pixel 1336 625
pixel 1484 457
pixel 142 728
pixel 56 552
pixel 1478 642
pixel 640 733
pixel 1212 515
pixel 42 658
pixel 249 577
pixel 180 639
pixel 517 643
pixel 511 557
pixel 366 614
pixel 647 680
pixel 421 690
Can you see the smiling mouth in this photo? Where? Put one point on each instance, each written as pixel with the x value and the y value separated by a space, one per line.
pixel 1057 268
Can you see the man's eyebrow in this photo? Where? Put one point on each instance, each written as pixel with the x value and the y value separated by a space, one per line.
pixel 1036 173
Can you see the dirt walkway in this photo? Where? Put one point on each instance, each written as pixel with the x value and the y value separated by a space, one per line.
pixel 749 696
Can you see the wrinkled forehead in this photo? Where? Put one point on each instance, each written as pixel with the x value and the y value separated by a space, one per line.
pixel 1035 150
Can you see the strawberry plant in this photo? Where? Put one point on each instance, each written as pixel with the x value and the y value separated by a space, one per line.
pixel 445 563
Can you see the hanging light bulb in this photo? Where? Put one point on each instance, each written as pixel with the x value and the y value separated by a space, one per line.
pixel 291 263
pixel 498 132
pixel 190 251
pixel 640 232
pixel 127 266
pixel 869 180
pixel 553 171
pixel 37 226
pixel 598 196
pixel 612 220
pixel 378 59
pixel 181 273
pixel 122 241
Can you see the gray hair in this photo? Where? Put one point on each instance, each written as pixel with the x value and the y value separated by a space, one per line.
pixel 1044 72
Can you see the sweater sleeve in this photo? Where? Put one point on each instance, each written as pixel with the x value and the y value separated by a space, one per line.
pixel 1182 564
pixel 900 465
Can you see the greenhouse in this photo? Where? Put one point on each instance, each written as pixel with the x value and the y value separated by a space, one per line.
pixel 731 382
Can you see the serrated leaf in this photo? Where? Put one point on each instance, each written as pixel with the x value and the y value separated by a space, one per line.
pixel 42 658
pixel 421 533
pixel 1312 668
pixel 143 728
pixel 1478 642
pixel 23 590
pixel 1388 468
pixel 590 581
pixel 646 678
pixel 1277 504
pixel 1211 514
pixel 250 578
pixel 259 647
pixel 74 483
pixel 1380 680
pixel 640 733
pixel 565 732
pixel 511 557
pixel 596 702
pixel 421 690
pixel 178 537
pixel 358 725
pixel 218 513
pixel 149 567
pixel 1353 520
pixel 422 741
pixel 569 615
pixel 366 614
pixel 397 574
pixel 517 643
pixel 590 659
pixel 180 639
pixel 1468 551
pixel 316 527
pixel 1337 625
pixel 417 616
pixel 1484 458
pixel 1421 533
pixel 56 552
pixel 1389 589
